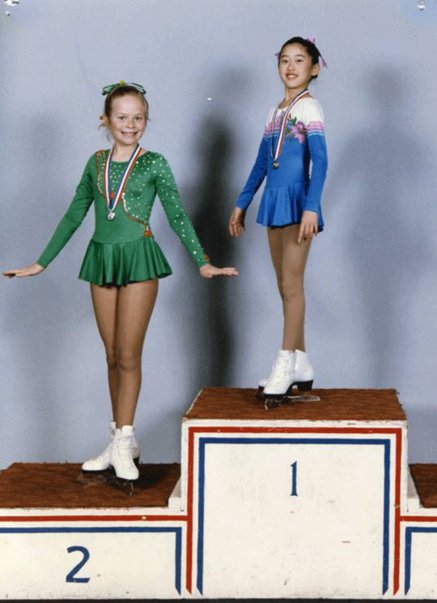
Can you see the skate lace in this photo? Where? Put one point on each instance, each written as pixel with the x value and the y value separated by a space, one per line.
pixel 280 370
pixel 125 447
pixel 103 455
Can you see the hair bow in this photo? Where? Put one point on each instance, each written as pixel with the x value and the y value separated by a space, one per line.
pixel 322 60
pixel 111 87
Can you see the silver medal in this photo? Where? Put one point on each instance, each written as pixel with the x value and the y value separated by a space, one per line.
pixel 111 215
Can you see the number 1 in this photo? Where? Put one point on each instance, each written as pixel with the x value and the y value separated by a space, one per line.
pixel 294 479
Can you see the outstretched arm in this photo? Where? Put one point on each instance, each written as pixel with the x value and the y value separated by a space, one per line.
pixel 181 223
pixel 66 227
pixel 31 270
pixel 210 271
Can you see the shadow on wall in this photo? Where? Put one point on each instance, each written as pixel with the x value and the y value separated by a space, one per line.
pixel 210 338
pixel 382 165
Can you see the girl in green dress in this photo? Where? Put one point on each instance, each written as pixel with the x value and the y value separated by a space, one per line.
pixel 123 262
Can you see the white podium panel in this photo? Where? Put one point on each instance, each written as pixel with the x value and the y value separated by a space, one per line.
pixel 420 561
pixel 325 513
pixel 65 562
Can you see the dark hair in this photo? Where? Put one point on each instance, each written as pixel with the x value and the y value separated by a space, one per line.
pixel 120 91
pixel 309 46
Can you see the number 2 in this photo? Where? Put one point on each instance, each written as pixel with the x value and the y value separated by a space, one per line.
pixel 86 555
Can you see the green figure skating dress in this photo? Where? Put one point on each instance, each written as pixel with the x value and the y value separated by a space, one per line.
pixel 123 250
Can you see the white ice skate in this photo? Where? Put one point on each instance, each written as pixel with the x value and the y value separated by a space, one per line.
pixel 103 460
pixel 121 454
pixel 290 368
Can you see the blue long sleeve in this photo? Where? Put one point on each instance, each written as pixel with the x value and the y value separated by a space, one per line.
pixel 256 176
pixel 319 160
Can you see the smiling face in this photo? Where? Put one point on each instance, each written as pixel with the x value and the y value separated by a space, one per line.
pixel 296 68
pixel 127 120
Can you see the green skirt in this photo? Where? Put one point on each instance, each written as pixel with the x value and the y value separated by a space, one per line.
pixel 122 263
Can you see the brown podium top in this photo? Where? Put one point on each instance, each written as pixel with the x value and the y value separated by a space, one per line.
pixel 63 485
pixel 425 479
pixel 334 405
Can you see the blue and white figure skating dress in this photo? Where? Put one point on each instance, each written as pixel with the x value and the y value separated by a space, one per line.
pixel 296 184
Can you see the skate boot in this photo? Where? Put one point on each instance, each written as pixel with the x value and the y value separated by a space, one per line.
pixel 121 454
pixel 262 382
pixel 303 372
pixel 102 461
pixel 281 379
pixel 303 375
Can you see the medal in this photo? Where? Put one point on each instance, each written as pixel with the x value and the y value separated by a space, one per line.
pixel 276 154
pixel 112 198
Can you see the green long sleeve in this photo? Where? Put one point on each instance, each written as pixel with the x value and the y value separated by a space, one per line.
pixel 73 217
pixel 176 215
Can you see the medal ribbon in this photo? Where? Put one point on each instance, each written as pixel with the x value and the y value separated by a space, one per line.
pixel 112 203
pixel 303 94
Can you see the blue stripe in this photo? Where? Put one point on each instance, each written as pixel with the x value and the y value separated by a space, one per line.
pixel 408 551
pixel 201 512
pixel 109 530
pixel 385 579
pixel 178 559
pixel 203 441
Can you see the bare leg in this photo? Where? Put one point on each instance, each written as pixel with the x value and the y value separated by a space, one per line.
pixel 105 301
pixel 135 306
pixel 289 260
pixel 122 315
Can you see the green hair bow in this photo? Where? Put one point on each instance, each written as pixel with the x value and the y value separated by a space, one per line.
pixel 111 87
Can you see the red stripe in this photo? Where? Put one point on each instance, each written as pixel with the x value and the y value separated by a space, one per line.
pixel 190 495
pixel 419 518
pixel 221 429
pixel 397 526
pixel 53 518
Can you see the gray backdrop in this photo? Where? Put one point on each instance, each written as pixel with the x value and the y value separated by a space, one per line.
pixel 371 279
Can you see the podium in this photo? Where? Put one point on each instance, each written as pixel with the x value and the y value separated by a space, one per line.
pixel 308 500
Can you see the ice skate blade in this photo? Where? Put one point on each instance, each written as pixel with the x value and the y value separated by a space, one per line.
pixel 91 479
pixel 276 402
pixel 125 484
pixel 300 386
pixel 260 393
pixel 303 397
pixel 96 472
pixel 272 403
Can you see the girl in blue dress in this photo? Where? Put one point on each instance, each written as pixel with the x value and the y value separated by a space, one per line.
pixel 292 157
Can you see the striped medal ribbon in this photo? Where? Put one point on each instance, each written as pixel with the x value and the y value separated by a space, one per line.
pixel 276 155
pixel 112 199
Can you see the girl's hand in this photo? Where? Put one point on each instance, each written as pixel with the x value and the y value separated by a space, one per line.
pixel 308 226
pixel 31 270
pixel 236 222
pixel 209 271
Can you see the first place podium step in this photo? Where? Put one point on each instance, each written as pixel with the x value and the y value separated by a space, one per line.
pixel 312 499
